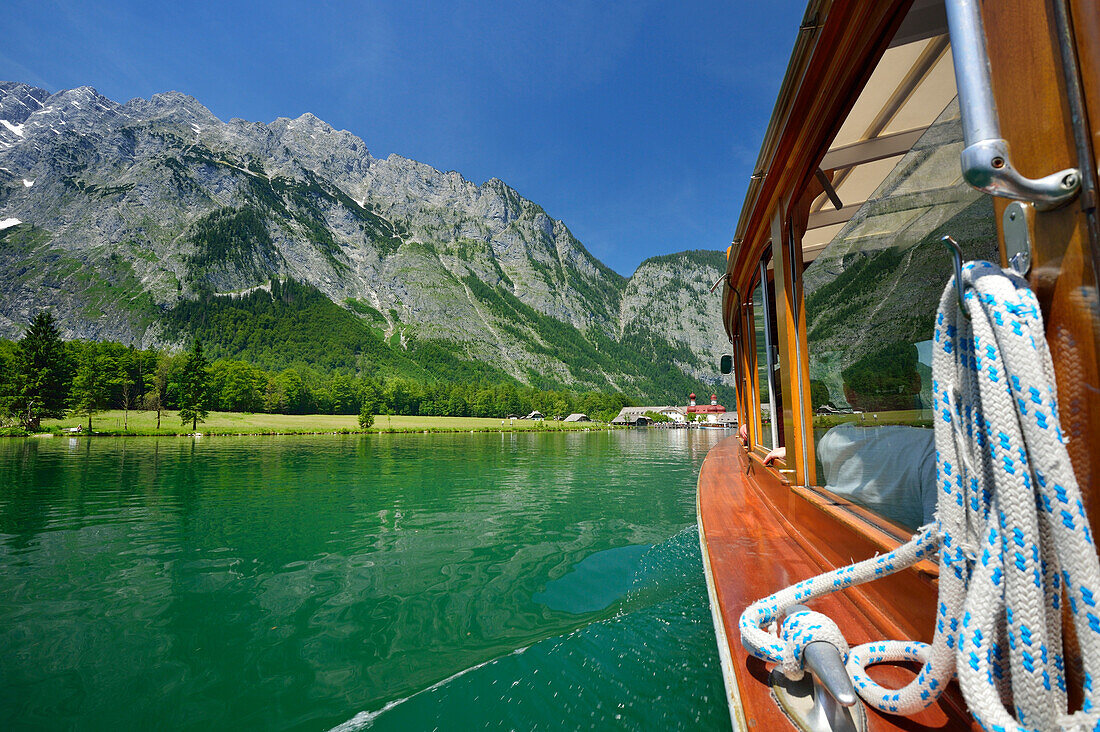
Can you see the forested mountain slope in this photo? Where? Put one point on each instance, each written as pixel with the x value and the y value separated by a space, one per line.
pixel 152 222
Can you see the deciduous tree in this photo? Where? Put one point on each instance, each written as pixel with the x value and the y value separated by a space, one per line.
pixel 91 385
pixel 238 386
pixel 124 379
pixel 9 384
pixel 366 418
pixel 344 398
pixel 156 385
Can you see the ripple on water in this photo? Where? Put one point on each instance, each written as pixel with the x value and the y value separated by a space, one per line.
pixel 653 665
pixel 290 583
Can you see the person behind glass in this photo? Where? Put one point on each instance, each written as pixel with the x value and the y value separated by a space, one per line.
pixel 890 469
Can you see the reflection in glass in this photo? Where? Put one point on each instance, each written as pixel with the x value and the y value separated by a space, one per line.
pixel 870 299
pixel 760 337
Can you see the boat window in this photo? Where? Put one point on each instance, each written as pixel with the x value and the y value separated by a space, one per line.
pixel 770 433
pixel 871 293
pixel 762 433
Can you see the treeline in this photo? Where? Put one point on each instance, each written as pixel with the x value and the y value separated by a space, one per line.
pixel 43 376
pixel 294 325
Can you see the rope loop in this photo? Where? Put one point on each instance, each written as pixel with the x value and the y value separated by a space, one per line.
pixel 799 630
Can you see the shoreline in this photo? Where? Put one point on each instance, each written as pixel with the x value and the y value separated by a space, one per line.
pixel 143 424
pixel 302 433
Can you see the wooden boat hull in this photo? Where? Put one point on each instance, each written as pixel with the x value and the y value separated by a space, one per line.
pixel 751 550
pixel 763 529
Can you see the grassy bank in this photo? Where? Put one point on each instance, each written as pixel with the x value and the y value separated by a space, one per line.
pixel 240 423
pixel 911 417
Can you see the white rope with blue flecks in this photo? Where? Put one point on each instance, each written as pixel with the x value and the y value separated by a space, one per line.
pixel 1010 529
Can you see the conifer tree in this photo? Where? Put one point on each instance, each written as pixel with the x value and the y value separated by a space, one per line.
pixel 194 382
pixel 42 364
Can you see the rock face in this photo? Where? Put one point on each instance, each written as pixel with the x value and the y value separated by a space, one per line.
pixel 670 295
pixel 125 210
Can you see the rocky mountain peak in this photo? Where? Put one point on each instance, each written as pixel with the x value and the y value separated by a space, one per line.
pixel 19 101
pixel 28 113
pixel 127 212
pixel 82 107
pixel 172 105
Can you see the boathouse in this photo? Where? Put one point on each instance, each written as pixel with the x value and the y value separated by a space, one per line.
pixel 728 419
pixel 630 415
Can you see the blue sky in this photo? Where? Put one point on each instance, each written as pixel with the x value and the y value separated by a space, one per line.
pixel 636 123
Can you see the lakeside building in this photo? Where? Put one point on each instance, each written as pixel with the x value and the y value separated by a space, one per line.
pixel 729 419
pixel 713 413
pixel 577 417
pixel 637 415
pixel 705 412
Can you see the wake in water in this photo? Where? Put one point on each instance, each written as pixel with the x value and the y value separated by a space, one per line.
pixel 362 720
pixel 651 664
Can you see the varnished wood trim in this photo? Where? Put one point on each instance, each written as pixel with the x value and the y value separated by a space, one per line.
pixel 1086 28
pixel 1031 104
pixel 785 335
pixel 794 353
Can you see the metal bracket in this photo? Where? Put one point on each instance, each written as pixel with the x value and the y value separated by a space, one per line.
pixel 825 699
pixel 1016 224
pixel 810 708
pixel 986 164
pixel 956 260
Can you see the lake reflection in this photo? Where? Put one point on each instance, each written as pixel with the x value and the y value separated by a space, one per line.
pixel 295 582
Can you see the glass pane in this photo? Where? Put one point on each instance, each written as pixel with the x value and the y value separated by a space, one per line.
pixel 776 384
pixel 871 297
pixel 760 336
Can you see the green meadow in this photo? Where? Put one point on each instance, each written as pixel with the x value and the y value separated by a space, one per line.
pixel 114 422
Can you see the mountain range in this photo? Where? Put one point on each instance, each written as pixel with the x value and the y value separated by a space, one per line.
pixel 152 222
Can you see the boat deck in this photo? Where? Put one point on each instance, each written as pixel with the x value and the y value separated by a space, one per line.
pixel 752 548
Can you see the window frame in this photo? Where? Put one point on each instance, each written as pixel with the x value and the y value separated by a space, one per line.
pixel 771 349
pixel 800 210
pixel 752 367
pixel 771 354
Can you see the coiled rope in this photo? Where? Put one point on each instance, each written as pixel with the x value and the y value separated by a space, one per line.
pixel 1010 529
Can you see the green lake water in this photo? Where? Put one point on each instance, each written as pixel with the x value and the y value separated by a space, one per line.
pixel 389 582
